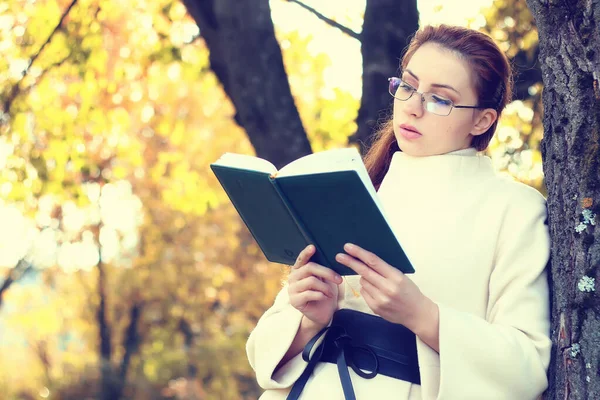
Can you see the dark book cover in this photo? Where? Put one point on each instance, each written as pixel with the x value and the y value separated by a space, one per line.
pixel 285 214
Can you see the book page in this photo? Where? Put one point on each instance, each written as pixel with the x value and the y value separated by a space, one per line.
pixel 345 159
pixel 323 161
pixel 247 162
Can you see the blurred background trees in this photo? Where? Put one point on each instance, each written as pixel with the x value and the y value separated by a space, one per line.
pixel 124 270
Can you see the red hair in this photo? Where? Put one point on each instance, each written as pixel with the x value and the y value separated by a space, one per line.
pixel 492 79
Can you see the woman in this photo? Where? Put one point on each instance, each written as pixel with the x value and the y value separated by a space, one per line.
pixel 478 304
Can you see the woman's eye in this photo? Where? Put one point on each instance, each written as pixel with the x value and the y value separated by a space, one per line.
pixel 406 87
pixel 441 100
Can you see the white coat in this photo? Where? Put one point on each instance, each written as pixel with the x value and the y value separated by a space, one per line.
pixel 479 245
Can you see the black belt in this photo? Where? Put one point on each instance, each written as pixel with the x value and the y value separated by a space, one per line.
pixel 362 342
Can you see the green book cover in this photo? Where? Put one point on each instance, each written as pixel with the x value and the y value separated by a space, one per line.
pixel 325 199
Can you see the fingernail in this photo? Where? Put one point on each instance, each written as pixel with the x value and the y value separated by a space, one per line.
pixel 338 279
pixel 349 246
pixel 311 247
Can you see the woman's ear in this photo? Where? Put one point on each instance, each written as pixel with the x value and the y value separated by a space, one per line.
pixel 483 121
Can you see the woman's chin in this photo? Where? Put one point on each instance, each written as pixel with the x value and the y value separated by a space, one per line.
pixel 412 150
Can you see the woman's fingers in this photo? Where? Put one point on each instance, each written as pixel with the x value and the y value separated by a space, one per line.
pixel 312 283
pixel 300 299
pixel 373 292
pixel 304 256
pixel 314 269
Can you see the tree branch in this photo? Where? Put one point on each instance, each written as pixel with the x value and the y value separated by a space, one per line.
pixel 30 87
pixel 527 72
pixel 56 28
pixel 14 92
pixel 13 275
pixel 331 22
pixel 40 349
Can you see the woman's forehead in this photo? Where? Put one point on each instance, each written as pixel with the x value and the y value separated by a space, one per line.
pixel 433 64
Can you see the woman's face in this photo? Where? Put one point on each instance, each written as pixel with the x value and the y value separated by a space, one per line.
pixel 422 133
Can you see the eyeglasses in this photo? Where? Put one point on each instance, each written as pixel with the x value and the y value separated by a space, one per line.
pixel 433 103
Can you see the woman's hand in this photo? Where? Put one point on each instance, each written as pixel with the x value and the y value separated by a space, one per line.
pixel 313 289
pixel 392 295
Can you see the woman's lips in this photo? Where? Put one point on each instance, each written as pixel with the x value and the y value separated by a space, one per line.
pixel 409 132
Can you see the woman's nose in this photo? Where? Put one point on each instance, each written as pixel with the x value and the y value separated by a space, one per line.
pixel 414 105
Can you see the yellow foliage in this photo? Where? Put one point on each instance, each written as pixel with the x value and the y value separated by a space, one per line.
pixel 134 102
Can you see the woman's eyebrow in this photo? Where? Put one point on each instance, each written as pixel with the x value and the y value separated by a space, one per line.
pixel 439 85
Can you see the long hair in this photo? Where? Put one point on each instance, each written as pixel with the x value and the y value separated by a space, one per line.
pixel 492 78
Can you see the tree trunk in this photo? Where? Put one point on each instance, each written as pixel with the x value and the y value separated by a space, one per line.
pixel 246 57
pixel 387 26
pixel 108 386
pixel 570 60
pixel 131 344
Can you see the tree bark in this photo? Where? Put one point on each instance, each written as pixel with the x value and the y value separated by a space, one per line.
pixel 387 27
pixel 569 35
pixel 246 57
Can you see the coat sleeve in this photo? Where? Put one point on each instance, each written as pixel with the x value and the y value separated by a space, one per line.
pixel 506 355
pixel 270 340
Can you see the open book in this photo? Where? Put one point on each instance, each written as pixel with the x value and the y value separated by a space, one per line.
pixel 325 198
